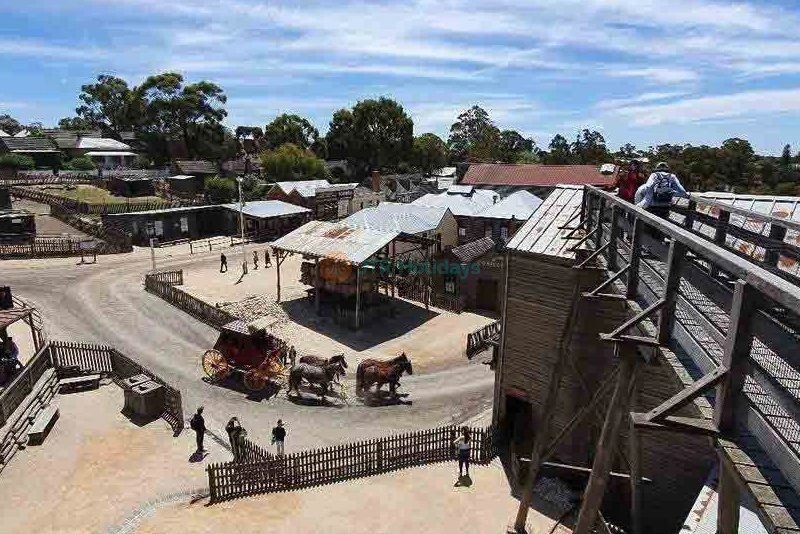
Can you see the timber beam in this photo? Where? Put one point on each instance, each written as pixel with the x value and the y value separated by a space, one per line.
pixel 592 256
pixel 608 282
pixel 638 318
pixel 675 403
pixel 582 240
pixel 672 423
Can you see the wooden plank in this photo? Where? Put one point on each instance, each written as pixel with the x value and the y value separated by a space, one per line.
pixel 686 396
pixel 672 423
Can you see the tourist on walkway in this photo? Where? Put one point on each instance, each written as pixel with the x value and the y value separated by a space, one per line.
pixel 629 181
pixel 235 433
pixel 659 190
pixel 463 444
pixel 223 263
pixel 255 259
pixel 278 437
pixel 267 260
pixel 198 424
pixel 292 355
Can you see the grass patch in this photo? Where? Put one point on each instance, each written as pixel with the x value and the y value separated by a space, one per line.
pixel 93 195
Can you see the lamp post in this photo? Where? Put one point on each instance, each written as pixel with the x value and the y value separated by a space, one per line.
pixel 241 225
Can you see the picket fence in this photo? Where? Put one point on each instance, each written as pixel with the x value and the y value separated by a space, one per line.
pixel 477 340
pixel 253 475
pixel 46 247
pixel 156 283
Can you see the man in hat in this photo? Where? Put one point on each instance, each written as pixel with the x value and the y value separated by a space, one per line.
pixel 657 193
pixel 198 424
pixel 278 437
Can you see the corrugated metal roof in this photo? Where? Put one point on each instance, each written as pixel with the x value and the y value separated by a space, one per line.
pixel 535 175
pixel 541 234
pixel 306 188
pixel 458 203
pixel 460 189
pixel 776 206
pixel 444 171
pixel 109 153
pixel 321 238
pixel 267 208
pixel 102 143
pixel 4 134
pixel 519 205
pixel 397 217
pixel 192 166
pixel 163 211
pixel 181 177
pixel 336 187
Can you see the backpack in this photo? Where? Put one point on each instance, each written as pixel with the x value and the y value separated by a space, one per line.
pixel 193 423
pixel 662 190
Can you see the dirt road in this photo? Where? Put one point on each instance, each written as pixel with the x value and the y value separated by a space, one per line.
pixel 105 303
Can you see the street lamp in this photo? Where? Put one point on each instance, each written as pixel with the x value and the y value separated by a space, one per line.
pixel 241 225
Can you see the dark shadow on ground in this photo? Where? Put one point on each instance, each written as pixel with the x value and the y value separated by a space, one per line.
pixel 137 419
pixel 235 383
pixel 307 400
pixel 464 481
pixel 408 316
pixel 383 398
pixel 197 456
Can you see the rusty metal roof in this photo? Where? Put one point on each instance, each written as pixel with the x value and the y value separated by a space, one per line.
pixel 542 234
pixel 535 175
pixel 346 243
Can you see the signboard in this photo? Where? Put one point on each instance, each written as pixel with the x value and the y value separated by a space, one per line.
pixel 184 225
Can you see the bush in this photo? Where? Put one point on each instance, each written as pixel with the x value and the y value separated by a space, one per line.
pixel 786 189
pixel 220 190
pixel 79 164
pixel 289 162
pixel 18 162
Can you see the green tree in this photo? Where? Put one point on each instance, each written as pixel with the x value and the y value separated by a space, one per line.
pixel 189 112
pixel 19 162
pixel 430 152
pixel 291 162
pixel 79 164
pixel 9 124
pixel 512 144
pixel 786 157
pixel 339 138
pixel 589 148
pixel 220 190
pixel 383 135
pixel 74 123
pixel 769 174
pixel 559 151
pixel 110 103
pixel 292 129
pixel 474 137
pixel 738 158
pixel 528 156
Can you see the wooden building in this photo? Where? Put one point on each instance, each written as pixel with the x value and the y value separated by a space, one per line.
pixel 171 224
pixel 17 226
pixel 131 185
pixel 266 219
pixel 43 150
pixel 546 318
pixel 199 168
pixel 185 185
pixel 5 198
pixel 472 273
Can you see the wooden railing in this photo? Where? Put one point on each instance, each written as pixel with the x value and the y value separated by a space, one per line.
pixel 86 357
pixel 231 480
pixel 210 315
pixel 425 295
pixel 41 247
pixel 174 278
pixel 86 208
pixel 23 384
pixel 476 341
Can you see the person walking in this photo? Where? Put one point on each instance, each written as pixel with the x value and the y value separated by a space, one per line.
pixel 292 355
pixel 267 260
pixel 464 445
pixel 223 263
pixel 278 437
pixel 255 259
pixel 198 424
pixel 659 190
pixel 235 433
pixel 629 181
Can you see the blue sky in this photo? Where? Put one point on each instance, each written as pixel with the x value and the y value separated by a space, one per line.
pixel 639 71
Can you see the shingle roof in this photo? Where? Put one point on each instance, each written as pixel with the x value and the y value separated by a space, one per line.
pixel 460 204
pixel 391 216
pixel 473 250
pixel 535 175
pixel 542 233
pixel 519 205
pixel 195 166
pixel 28 144
pixel 267 208
pixel 69 138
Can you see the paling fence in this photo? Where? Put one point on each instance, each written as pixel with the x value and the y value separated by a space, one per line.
pixel 427 296
pixel 88 358
pixel 476 341
pixel 87 208
pixel 254 475
pixel 45 247
pixel 162 285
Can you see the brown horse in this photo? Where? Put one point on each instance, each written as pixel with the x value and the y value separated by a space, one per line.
pixel 319 361
pixel 380 372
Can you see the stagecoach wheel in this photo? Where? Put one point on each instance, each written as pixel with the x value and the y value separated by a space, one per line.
pixel 254 381
pixel 280 375
pixel 215 365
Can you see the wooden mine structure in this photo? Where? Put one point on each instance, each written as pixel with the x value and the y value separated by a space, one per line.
pixel 642 363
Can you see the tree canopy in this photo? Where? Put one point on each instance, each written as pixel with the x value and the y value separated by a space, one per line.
pixel 290 162
pixel 430 153
pixel 292 129
pixel 10 125
pixel 474 137
pixel 110 103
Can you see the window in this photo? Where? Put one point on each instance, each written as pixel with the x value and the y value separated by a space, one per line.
pixel 450 284
pixel 159 228
pixel 462 232
pixel 184 225
pixel 504 232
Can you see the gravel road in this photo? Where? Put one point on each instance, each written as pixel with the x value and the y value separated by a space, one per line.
pixel 106 303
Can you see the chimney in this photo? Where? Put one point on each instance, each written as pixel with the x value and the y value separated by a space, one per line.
pixel 512 226
pixel 376 181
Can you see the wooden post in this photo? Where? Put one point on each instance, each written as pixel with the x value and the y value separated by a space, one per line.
pixel 719 235
pixel 612 239
pixel 688 222
pixel 598 237
pixel 588 214
pixel 729 497
pixel 394 275
pixel 636 251
pixel 36 347
pixel 635 461
pixel 358 297
pixel 609 437
pixel 677 253
pixel 278 271
pixel 777 233
pixel 317 285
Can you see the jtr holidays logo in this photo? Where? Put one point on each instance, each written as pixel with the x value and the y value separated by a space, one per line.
pixel 335 268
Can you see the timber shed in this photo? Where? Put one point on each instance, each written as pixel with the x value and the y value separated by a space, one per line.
pixel 547 318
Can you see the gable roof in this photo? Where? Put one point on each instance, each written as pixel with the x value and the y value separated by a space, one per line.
pixel 396 217
pixel 267 208
pixel 519 205
pixel 348 243
pixel 543 232
pixel 473 250
pixel 305 188
pixel 28 144
pixel 3 133
pixel 69 138
pixel 101 144
pixel 535 175
pixel 459 203
pixel 195 166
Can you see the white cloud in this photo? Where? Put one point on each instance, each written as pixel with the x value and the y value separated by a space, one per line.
pixel 686 111
pixel 655 74
pixel 17 47
pixel 638 99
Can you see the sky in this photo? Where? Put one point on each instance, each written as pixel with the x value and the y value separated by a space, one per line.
pixel 644 72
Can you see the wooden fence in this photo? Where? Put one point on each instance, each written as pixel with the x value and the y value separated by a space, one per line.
pixel 86 208
pixel 207 313
pixel 108 360
pixel 174 278
pixel 476 341
pixel 426 296
pixel 23 384
pixel 235 479
pixel 41 247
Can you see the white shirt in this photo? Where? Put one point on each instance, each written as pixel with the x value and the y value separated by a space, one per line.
pixel 650 185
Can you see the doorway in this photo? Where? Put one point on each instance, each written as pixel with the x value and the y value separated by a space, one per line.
pixel 486 295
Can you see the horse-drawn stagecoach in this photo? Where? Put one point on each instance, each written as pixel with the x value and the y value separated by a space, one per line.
pixel 247 349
